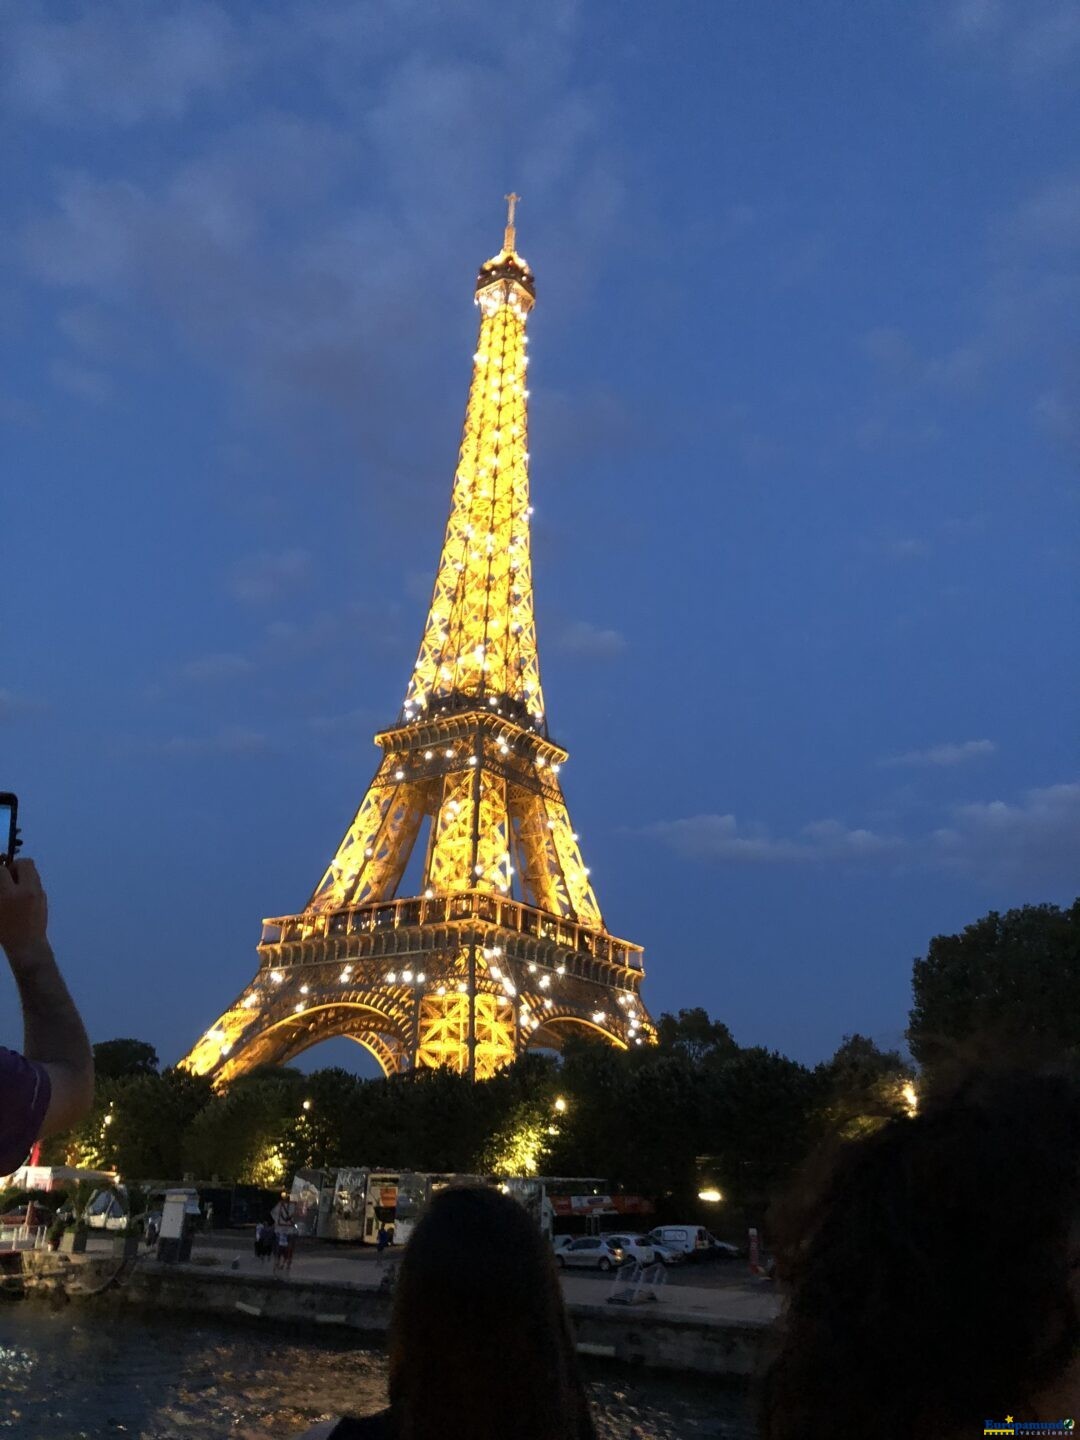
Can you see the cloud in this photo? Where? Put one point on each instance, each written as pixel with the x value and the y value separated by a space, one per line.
pixel 1038 836
pixel 909 547
pixel 1029 39
pixel 13 705
pixel 258 579
pixel 120 63
pixel 283 251
pixel 948 754
pixel 1035 839
pixel 234 740
pixel 209 668
pixel 586 641
pixel 717 838
pixel 81 381
pixel 350 724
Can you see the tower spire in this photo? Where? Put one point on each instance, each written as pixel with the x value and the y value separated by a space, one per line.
pixel 510 234
pixel 479 641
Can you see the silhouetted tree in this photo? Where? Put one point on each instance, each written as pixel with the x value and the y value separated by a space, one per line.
pixel 118 1059
pixel 1008 981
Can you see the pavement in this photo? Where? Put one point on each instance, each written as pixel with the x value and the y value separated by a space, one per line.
pixel 722 1293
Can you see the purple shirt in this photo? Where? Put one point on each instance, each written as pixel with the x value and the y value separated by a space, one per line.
pixel 24 1098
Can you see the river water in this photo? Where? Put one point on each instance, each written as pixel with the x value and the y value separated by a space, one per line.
pixel 96 1374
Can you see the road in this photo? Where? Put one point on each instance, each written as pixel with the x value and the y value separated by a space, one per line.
pixel 359 1263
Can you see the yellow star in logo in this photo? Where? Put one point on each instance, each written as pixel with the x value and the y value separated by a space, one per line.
pixel 1008 1419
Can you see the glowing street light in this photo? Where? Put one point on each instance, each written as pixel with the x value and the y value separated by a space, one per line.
pixel 560 1104
pixel 711 1196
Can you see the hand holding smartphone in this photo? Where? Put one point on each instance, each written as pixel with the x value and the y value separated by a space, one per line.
pixel 9 828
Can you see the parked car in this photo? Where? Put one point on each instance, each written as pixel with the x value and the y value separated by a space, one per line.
pixel 667 1256
pixel 32 1215
pixel 591 1252
pixel 638 1248
pixel 560 1242
pixel 105 1210
pixel 685 1240
pixel 720 1249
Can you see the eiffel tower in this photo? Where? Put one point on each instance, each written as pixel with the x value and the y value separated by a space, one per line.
pixel 504 946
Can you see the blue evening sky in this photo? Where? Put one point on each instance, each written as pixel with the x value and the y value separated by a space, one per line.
pixel 805 439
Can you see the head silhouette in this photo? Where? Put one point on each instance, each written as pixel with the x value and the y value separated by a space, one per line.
pixel 479 1342
pixel 933 1270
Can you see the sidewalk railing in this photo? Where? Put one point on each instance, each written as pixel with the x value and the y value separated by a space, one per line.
pixel 637 1284
pixel 24 1237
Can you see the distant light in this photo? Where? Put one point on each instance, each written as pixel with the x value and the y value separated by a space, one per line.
pixel 710 1196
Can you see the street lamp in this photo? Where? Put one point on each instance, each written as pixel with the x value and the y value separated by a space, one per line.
pixel 710 1195
pixel 560 1104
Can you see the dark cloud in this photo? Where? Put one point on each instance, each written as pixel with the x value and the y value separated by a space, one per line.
pixel 259 579
pixel 1035 838
pixel 121 62
pixel 233 740
pixel 12 705
pixel 262 247
pixel 586 641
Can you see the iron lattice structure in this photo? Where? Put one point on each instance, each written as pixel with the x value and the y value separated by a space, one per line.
pixel 504 946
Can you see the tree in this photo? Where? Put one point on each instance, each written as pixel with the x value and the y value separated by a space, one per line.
pixel 118 1059
pixel 693 1034
pixel 1009 981
pixel 862 1087
pixel 760 1108
pixel 247 1134
pixel 137 1126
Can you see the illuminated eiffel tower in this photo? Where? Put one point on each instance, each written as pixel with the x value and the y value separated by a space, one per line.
pixel 504 945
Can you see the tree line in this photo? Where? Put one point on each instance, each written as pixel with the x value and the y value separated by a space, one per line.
pixel 697 1111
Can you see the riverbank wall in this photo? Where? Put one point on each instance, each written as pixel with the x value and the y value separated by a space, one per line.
pixel 655 1334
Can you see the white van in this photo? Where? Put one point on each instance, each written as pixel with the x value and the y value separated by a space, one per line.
pixel 683 1239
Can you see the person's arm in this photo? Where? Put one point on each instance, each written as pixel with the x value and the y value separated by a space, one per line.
pixel 53 1032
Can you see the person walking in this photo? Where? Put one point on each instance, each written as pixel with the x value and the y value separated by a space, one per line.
pixel 382 1241
pixel 50 1086
pixel 479 1340
pixel 282 1216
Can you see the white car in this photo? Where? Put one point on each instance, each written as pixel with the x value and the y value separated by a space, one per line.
pixel 591 1252
pixel 666 1255
pixel 560 1242
pixel 638 1248
pixel 684 1240
pixel 720 1249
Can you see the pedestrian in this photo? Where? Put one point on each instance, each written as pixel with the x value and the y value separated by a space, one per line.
pixel 284 1233
pixel 50 1086
pixel 382 1240
pixel 264 1240
pixel 479 1341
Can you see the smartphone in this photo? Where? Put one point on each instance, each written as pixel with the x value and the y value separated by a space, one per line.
pixel 9 827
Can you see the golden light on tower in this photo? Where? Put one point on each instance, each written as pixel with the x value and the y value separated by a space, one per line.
pixel 504 944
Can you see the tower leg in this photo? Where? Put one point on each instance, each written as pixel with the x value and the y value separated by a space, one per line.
pixel 472 1011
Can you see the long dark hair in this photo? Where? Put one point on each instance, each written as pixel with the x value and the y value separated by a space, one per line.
pixel 479 1341
pixel 929 1268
